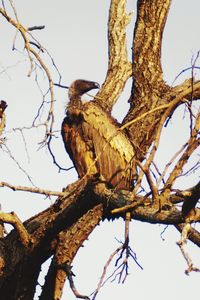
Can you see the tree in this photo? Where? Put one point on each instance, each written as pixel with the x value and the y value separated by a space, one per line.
pixel 62 228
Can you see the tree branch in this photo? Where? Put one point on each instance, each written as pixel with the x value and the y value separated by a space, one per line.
pixel 192 145
pixel 181 244
pixel 189 88
pixel 69 242
pixel 68 209
pixel 15 221
pixel 31 189
pixel 148 89
pixel 32 54
pixel 147 70
pixel 119 68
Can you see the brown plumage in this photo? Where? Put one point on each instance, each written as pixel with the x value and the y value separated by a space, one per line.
pixel 93 140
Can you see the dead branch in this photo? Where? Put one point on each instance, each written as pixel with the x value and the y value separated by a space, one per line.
pixel 7 150
pixel 194 235
pixel 192 68
pixel 31 189
pixel 33 126
pixel 12 219
pixel 183 71
pixel 181 244
pixel 120 271
pixel 32 54
pixel 166 114
pixel 102 281
pixel 152 187
pixel 36 28
pixel 54 158
pixel 192 145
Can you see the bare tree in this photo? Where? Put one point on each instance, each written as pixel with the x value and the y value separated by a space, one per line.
pixel 61 229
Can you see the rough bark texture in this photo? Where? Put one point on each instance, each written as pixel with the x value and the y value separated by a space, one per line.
pixel 119 67
pixel 148 90
pixel 60 230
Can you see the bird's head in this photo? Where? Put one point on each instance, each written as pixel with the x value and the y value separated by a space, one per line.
pixel 81 86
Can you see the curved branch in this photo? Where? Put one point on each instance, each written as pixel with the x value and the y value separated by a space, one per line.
pixel 12 218
pixel 147 70
pixel 119 67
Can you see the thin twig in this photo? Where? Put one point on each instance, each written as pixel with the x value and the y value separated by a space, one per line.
pixel 192 145
pixel 31 189
pixel 169 164
pixel 36 28
pixel 183 71
pixel 54 159
pixel 101 281
pixel 121 270
pixel 7 150
pixel 33 54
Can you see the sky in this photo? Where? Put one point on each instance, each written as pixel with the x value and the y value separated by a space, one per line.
pixel 75 35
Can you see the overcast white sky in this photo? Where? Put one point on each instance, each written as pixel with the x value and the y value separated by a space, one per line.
pixel 76 37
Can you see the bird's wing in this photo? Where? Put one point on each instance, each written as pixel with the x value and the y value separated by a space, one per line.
pixel 113 151
pixel 78 150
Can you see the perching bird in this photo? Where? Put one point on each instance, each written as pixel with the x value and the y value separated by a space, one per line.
pixel 94 141
pixel 3 106
pixel 191 198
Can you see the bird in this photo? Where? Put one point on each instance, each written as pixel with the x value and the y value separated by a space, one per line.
pixel 3 106
pixel 191 198
pixel 94 141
